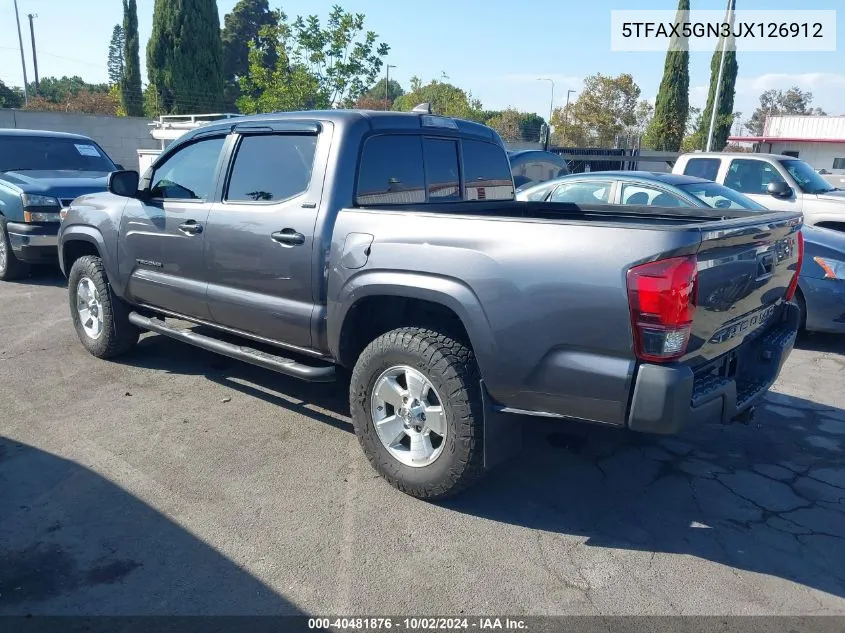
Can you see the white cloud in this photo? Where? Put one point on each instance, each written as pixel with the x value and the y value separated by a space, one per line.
pixel 805 81
pixel 826 88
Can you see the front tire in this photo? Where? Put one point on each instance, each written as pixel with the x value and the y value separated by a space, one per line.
pixel 100 317
pixel 10 266
pixel 415 400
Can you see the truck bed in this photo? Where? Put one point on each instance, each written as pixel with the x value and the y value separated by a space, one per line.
pixel 542 286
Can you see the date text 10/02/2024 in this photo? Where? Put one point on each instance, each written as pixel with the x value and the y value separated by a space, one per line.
pixel 417 624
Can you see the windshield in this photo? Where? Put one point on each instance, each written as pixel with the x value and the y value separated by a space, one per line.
pixel 806 177
pixel 718 197
pixel 31 153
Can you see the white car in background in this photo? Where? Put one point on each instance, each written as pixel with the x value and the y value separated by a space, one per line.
pixel 778 182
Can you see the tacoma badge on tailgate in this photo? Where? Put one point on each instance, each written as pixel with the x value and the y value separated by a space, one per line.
pixel 746 324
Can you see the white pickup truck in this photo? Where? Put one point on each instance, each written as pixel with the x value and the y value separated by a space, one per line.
pixel 778 182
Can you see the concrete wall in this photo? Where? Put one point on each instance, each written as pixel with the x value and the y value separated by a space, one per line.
pixel 120 137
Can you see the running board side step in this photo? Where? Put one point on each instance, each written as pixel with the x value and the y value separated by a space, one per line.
pixel 279 364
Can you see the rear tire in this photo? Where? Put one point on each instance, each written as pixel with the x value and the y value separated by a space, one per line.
pixel 448 372
pixel 100 317
pixel 10 266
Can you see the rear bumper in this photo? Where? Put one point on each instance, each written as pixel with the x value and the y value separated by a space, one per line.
pixel 668 397
pixel 34 243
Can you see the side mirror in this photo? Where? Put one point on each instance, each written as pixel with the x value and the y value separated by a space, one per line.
pixel 123 183
pixel 779 189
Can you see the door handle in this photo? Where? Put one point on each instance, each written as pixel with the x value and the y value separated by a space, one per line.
pixel 190 227
pixel 288 237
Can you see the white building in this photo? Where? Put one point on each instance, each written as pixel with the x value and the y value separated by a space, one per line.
pixel 170 127
pixel 817 140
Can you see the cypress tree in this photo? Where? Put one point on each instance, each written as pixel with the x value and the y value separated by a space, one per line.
pixel 130 87
pixel 184 56
pixel 116 65
pixel 725 106
pixel 671 108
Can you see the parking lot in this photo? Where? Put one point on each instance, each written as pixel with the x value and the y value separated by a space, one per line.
pixel 178 482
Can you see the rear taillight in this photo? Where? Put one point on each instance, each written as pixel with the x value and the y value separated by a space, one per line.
pixel 662 296
pixel 793 284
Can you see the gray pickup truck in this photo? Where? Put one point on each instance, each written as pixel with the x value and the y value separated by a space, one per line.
pixel 390 244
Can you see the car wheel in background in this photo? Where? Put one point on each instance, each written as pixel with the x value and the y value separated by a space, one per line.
pixel 100 317
pixel 10 266
pixel 415 400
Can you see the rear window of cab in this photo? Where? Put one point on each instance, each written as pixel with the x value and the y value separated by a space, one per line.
pixel 416 169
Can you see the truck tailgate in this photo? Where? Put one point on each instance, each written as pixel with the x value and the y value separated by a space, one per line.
pixel 743 275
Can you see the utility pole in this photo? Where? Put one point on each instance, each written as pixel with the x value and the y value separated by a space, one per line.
pixel 23 59
pixel 387 86
pixel 34 56
pixel 717 92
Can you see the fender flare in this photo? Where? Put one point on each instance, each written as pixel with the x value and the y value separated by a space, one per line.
pixel 91 235
pixel 448 292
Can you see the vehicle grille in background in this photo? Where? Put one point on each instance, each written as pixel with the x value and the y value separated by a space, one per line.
pixel 66 201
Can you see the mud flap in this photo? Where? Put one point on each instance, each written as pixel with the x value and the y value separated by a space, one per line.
pixel 502 432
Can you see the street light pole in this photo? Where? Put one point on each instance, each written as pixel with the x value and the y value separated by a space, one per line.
pixel 23 59
pixel 566 113
pixel 387 85
pixel 552 102
pixel 34 56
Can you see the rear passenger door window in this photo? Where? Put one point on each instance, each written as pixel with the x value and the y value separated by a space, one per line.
pixel 487 172
pixel 391 171
pixel 707 168
pixel 583 192
pixel 271 167
pixel 643 195
pixel 441 170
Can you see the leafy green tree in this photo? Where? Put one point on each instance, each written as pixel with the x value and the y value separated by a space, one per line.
pixel 61 90
pixel 779 102
pixel 605 108
pixel 315 67
pixel 513 125
pixel 130 88
pixel 240 28
pixel 725 106
pixel 184 56
pixel 343 57
pixel 377 93
pixel 445 99
pixel 286 86
pixel 10 97
pixel 666 131
pixel 115 59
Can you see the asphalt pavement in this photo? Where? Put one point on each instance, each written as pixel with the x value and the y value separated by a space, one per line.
pixel 177 482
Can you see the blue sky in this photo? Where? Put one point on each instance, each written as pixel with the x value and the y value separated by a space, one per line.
pixel 494 49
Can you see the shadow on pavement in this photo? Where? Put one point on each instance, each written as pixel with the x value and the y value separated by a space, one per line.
pixel 74 543
pixel 818 342
pixel 766 498
pixel 165 354
pixel 43 275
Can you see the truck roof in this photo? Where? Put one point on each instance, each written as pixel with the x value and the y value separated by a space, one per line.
pixel 343 118
pixel 42 134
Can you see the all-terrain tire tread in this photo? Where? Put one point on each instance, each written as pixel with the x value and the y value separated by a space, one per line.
pixel 454 363
pixel 119 335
